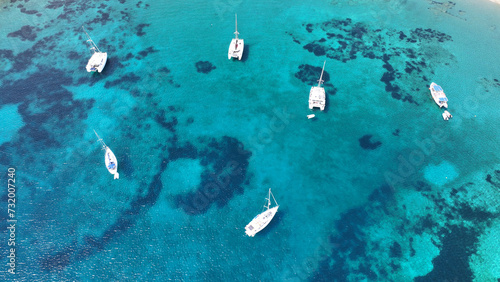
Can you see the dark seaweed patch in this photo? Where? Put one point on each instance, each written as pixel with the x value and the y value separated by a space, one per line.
pixel 29 12
pixel 129 56
pixel 56 116
pixel 128 78
pixel 204 67
pixel 24 59
pixel 145 52
pixel 452 262
pixel 72 55
pixel 57 261
pixel 381 194
pixel 103 19
pixel 317 49
pixel 164 74
pixel 225 164
pixel 402 35
pixel 349 243
pixel 140 29
pixel 489 179
pixel 55 4
pixel 25 33
pixel 468 213
pixel 170 125
pixel 309 28
pixel 164 70
pixel 310 74
pixel 428 34
pixel 366 143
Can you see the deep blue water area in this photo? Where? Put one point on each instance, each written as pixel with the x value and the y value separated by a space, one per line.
pixel 377 187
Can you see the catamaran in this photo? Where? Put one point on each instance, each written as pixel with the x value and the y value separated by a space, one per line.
pixel 98 59
pixel 317 95
pixel 109 158
pixel 438 95
pixel 237 44
pixel 262 220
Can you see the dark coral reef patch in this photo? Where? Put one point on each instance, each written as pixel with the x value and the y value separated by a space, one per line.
pixel 225 163
pixel 26 32
pixel 204 67
pixel 366 143
pixel 310 74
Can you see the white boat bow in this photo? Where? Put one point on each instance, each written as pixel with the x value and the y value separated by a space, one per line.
pixel 260 221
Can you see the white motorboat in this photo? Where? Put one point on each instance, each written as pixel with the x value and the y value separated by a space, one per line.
pixel 438 95
pixel 262 220
pixel 109 158
pixel 98 59
pixel 447 115
pixel 237 44
pixel 317 97
pixel 310 116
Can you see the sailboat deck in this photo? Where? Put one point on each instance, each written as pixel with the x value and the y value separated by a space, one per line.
pixel 317 97
pixel 236 48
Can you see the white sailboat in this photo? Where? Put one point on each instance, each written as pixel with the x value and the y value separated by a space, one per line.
pixel 237 44
pixel 262 220
pixel 98 59
pixel 109 158
pixel 317 97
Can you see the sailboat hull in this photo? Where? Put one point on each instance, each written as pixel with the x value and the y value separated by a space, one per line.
pixel 97 62
pixel 260 221
pixel 111 162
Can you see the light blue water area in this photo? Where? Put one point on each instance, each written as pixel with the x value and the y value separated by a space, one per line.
pixel 377 187
pixel 440 174
pixel 11 122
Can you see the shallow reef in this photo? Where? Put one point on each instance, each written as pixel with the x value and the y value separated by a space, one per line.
pixel 204 67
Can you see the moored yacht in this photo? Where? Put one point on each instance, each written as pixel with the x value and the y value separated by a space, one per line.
pixel 109 158
pixel 438 95
pixel 262 220
pixel 237 44
pixel 317 97
pixel 98 59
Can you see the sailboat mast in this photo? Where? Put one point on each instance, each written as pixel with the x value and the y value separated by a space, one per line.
pixel 236 25
pixel 269 199
pixel 321 77
pixel 91 42
pixel 100 140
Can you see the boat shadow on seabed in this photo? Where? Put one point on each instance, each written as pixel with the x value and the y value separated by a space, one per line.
pixel 246 51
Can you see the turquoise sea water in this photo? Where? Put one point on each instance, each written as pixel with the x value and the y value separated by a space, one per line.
pixel 376 188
